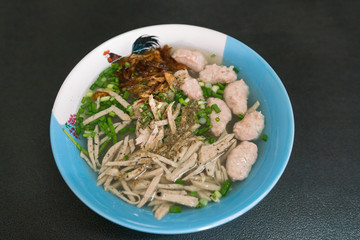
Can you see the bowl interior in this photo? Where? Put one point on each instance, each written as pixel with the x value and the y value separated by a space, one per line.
pixel 265 86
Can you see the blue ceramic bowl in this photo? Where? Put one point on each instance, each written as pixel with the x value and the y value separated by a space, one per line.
pixel 264 85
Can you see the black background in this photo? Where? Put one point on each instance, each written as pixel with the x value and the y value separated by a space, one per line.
pixel 312 45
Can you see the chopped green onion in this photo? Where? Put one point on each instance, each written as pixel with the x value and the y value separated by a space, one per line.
pixel 204 92
pixel 112 114
pixel 162 95
pixel 196 131
pixel 146 119
pixel 127 64
pixel 220 91
pixel 78 121
pixel 193 194
pixel 123 130
pixel 264 137
pixel 150 115
pixel 208 91
pixel 181 182
pixel 211 140
pixel 129 108
pixel 202 131
pixel 104 99
pixel 102 118
pixel 240 116
pixel 145 107
pixel 236 70
pixel 196 119
pixel 216 108
pixel 213 55
pixel 93 107
pixel 179 94
pixel 85 105
pixel 222 87
pixel 104 145
pixel 208 85
pixel 216 196
pixel 202 113
pixel 201 84
pixel 216 95
pixel 90 127
pixel 99 84
pixel 105 127
pixel 112 130
pixel 78 130
pixel 208 122
pixel 131 129
pixel 215 88
pixel 217 119
pixel 208 110
pixel 172 88
pixel 158 112
pixel 126 95
pixel 202 120
pixel 126 157
pixel 182 101
pixel 92 87
pixel 201 102
pixel 202 203
pixel 225 188
pixel 175 209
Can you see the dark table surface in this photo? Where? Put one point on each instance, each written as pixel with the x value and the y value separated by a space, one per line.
pixel 312 45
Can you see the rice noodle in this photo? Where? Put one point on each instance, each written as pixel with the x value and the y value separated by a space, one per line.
pixel 171 118
pixel 150 191
pixel 111 152
pixel 183 168
pixel 83 156
pixel 152 105
pixel 107 182
pixel 96 146
pixel 151 174
pixel 162 210
pixel 206 185
pixel 175 198
pixel 122 150
pixel 253 107
pixel 116 96
pixel 90 145
pixel 120 195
